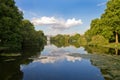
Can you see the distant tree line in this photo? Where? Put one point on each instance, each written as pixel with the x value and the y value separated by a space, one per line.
pixel 15 32
pixel 65 40
pixel 103 30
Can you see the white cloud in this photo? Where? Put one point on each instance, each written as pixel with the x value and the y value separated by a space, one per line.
pixel 56 23
pixel 101 4
pixel 44 21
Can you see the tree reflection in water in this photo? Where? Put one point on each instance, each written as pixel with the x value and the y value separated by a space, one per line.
pixel 106 59
pixel 10 65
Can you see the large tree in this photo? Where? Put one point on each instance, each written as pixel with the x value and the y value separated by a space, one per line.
pixel 10 24
pixel 30 36
pixel 111 17
pixel 108 25
pixel 16 32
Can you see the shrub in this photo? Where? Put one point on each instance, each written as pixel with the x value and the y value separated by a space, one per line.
pixel 98 40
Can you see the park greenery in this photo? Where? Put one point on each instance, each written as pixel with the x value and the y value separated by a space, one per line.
pixel 104 31
pixel 15 31
pixel 76 40
pixel 108 25
pixel 19 34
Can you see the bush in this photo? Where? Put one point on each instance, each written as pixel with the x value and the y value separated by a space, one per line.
pixel 98 40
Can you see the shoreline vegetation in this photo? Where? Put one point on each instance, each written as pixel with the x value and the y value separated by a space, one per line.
pixel 107 26
pixel 81 40
pixel 16 32
pixel 103 32
pixel 112 45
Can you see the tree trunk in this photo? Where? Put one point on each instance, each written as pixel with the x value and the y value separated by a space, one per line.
pixel 116 51
pixel 116 37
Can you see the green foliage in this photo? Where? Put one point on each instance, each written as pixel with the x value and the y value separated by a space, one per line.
pixel 112 45
pixel 77 40
pixel 97 50
pixel 60 40
pixel 64 40
pixel 98 40
pixel 109 23
pixel 74 38
pixel 30 36
pixel 82 40
pixel 14 31
pixel 10 22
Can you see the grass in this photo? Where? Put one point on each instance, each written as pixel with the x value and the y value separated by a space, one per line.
pixel 10 54
pixel 112 45
pixel 3 48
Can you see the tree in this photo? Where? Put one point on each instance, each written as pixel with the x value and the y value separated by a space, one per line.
pixel 99 27
pixel 30 36
pixel 10 24
pixel 14 31
pixel 74 38
pixel 112 16
pixel 98 40
pixel 40 37
pixel 27 30
pixel 109 23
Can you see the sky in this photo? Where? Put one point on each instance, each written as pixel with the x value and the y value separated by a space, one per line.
pixel 61 16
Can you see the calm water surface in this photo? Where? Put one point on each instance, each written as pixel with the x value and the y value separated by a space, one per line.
pixel 63 63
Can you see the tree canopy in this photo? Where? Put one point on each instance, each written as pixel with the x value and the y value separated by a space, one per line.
pixel 14 30
pixel 108 25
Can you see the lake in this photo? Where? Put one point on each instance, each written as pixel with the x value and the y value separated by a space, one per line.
pixel 62 63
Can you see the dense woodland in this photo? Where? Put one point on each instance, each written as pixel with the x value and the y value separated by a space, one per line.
pixel 103 30
pixel 15 31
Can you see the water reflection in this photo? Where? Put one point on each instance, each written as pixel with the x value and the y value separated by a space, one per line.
pixel 108 64
pixel 53 59
pixel 52 54
pixel 107 60
pixel 63 63
pixel 10 70
pixel 10 62
pixel 102 50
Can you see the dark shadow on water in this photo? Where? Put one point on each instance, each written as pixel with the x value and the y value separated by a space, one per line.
pixel 10 61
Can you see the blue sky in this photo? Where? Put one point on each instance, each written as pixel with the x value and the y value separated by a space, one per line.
pixel 61 16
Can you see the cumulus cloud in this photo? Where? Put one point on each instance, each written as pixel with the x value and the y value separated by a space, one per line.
pixel 44 21
pixel 56 23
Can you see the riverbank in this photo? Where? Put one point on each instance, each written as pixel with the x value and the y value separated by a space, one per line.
pixel 112 45
pixel 3 48
pixel 109 45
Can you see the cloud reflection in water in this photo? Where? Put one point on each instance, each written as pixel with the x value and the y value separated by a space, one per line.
pixel 57 54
